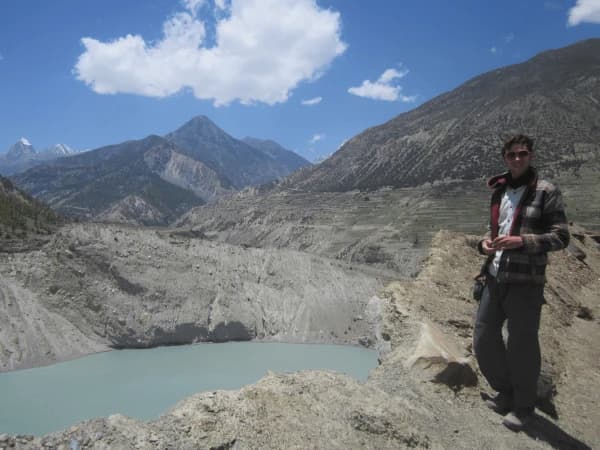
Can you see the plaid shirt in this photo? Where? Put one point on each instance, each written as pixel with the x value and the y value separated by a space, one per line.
pixel 539 219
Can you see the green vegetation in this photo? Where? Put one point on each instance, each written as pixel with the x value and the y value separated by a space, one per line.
pixel 21 215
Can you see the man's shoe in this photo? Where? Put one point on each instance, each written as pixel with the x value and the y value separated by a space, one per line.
pixel 518 419
pixel 501 403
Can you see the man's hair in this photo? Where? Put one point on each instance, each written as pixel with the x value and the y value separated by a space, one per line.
pixel 519 139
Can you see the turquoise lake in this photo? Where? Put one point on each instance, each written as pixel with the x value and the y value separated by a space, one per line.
pixel 145 383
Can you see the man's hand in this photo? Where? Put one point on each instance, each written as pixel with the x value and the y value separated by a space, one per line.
pixel 487 248
pixel 507 242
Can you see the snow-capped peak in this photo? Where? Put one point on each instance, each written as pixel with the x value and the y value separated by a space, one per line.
pixel 62 149
pixel 22 149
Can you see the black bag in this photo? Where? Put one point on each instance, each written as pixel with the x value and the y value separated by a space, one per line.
pixel 478 286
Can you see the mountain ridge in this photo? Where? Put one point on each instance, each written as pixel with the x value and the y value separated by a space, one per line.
pixel 277 152
pixel 233 159
pixel 554 97
pixel 166 176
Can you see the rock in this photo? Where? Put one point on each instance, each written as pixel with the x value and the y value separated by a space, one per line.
pixel 440 360
pixel 230 445
pixel 365 341
pixel 585 313
pixel 24 439
pixel 576 251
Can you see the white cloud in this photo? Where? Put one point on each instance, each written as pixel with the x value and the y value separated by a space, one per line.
pixel 390 74
pixel 316 138
pixel 584 11
pixel 221 4
pixel 383 88
pixel 312 101
pixel 263 49
pixel 493 50
pixel 193 5
pixel 509 38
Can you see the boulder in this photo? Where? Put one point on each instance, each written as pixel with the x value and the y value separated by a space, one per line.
pixel 440 360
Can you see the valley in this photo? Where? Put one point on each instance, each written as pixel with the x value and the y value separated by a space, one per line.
pixel 200 237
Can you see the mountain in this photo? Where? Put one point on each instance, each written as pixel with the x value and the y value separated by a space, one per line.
pixel 187 173
pixel 20 214
pixel 22 156
pixel 232 159
pixel 554 97
pixel 292 161
pixel 20 150
pixel 153 180
pixel 87 184
pixel 59 150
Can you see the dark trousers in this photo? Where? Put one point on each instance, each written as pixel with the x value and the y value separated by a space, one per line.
pixel 512 368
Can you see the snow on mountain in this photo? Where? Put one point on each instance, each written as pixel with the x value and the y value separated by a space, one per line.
pixel 60 150
pixel 22 149
pixel 22 155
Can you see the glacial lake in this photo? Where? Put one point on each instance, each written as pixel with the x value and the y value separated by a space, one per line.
pixel 146 383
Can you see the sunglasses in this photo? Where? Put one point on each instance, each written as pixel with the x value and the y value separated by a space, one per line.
pixel 513 155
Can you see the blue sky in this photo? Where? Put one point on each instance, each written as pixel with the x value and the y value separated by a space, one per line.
pixel 307 74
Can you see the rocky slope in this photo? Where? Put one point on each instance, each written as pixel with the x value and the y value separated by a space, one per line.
pixel 554 97
pixel 385 229
pixel 187 173
pixel 21 215
pixel 424 394
pixel 132 210
pixel 32 334
pixel 127 287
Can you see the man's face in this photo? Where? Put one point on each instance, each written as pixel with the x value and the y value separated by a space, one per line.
pixel 517 159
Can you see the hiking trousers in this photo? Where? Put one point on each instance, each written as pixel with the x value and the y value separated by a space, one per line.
pixel 512 368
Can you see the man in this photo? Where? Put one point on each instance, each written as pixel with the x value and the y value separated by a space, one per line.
pixel 527 221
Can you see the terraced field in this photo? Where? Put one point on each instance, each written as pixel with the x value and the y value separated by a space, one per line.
pixel 387 228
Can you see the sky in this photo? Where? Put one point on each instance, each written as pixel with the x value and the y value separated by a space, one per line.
pixel 308 74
